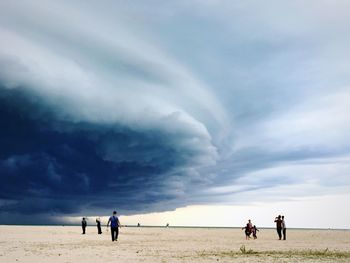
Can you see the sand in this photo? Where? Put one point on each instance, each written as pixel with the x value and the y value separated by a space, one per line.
pixel 67 244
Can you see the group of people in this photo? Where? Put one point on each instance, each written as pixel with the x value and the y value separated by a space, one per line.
pixel 281 227
pixel 113 222
pixel 250 229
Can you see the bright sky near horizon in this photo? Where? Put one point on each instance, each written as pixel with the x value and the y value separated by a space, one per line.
pixel 202 113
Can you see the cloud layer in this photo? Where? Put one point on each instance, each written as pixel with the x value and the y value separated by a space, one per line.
pixel 120 105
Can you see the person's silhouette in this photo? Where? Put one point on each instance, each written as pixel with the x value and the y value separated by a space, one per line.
pixel 83 225
pixel 98 222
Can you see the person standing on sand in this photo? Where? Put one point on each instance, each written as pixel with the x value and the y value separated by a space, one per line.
pixel 83 225
pixel 284 228
pixel 114 221
pixel 98 222
pixel 248 229
pixel 254 230
pixel 278 222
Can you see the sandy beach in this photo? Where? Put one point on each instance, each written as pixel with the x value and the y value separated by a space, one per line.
pixel 67 244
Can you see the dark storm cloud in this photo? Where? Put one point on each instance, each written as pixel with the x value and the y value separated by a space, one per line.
pixel 49 165
pixel 153 107
pixel 94 119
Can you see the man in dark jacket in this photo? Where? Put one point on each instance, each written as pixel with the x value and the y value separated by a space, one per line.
pixel 83 225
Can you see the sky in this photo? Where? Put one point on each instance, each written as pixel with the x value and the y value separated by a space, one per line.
pixel 201 113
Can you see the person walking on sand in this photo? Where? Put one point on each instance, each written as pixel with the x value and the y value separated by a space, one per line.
pixel 83 225
pixel 98 222
pixel 278 222
pixel 284 228
pixel 114 221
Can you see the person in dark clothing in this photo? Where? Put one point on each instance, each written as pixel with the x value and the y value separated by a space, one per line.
pixel 248 229
pixel 114 221
pixel 254 230
pixel 83 225
pixel 284 228
pixel 98 222
pixel 278 222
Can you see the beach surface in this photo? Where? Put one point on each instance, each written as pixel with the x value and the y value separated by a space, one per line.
pixel 143 244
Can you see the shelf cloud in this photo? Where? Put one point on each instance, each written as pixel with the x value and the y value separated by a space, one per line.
pixel 153 107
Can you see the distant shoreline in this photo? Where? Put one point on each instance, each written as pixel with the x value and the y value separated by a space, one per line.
pixel 191 227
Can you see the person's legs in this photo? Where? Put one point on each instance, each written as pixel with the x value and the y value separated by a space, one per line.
pixel 116 233
pixel 279 230
pixel 83 230
pixel 112 232
pixel 284 233
pixel 254 235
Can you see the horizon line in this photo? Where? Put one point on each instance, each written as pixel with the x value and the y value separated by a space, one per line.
pixel 179 226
